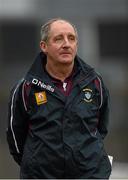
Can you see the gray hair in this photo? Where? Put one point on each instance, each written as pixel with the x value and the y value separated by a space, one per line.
pixel 45 29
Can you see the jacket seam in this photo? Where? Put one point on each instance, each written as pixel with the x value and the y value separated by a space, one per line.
pixel 11 120
pixel 101 92
pixel 23 89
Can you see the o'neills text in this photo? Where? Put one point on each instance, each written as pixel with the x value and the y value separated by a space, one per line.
pixel 42 85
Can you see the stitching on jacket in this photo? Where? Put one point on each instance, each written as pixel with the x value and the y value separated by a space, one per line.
pixel 23 87
pixel 101 92
pixel 11 121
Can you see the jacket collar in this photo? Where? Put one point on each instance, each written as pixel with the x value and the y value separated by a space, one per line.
pixel 37 70
pixel 87 73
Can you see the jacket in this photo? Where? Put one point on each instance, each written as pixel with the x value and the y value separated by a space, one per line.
pixel 54 136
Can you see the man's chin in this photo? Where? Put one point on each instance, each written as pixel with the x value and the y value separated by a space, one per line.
pixel 66 60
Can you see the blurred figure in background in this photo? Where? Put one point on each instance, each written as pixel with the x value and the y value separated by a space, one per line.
pixel 58 113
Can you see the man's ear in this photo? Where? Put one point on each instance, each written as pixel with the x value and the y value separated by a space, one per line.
pixel 43 46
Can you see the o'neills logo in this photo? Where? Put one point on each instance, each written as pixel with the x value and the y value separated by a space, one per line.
pixel 42 85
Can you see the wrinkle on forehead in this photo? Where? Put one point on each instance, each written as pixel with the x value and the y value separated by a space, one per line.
pixel 61 26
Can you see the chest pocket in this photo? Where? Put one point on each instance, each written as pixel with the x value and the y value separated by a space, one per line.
pixel 86 109
pixel 87 104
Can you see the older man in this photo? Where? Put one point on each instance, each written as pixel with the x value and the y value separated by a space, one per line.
pixel 58 113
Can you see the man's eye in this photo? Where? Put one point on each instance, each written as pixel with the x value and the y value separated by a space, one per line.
pixel 58 39
pixel 72 38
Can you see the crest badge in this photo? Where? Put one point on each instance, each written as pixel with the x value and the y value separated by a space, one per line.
pixel 87 95
pixel 41 97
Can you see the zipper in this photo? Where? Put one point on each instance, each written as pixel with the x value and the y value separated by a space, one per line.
pixel 64 86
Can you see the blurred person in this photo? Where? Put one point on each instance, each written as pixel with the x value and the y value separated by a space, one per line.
pixel 58 113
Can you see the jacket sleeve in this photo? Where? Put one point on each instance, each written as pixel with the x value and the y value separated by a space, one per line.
pixel 103 110
pixel 17 122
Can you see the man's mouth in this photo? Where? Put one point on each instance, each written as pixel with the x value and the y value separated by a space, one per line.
pixel 65 53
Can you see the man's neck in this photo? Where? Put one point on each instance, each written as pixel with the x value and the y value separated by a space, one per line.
pixel 60 71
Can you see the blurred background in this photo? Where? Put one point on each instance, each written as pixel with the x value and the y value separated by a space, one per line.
pixel 103 43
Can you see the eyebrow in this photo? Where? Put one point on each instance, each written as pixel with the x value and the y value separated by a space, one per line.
pixel 69 34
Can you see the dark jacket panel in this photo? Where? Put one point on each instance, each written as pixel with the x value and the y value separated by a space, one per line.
pixel 55 136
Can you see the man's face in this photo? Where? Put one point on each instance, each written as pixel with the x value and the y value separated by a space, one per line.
pixel 61 46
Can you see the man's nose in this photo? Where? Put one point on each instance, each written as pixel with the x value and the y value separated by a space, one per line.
pixel 66 43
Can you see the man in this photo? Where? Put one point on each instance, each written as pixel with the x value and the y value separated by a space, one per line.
pixel 58 113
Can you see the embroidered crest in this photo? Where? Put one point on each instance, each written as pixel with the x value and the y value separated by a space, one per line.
pixel 87 95
pixel 41 97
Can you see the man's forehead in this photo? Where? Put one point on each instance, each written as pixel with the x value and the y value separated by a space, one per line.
pixel 62 25
pixel 61 22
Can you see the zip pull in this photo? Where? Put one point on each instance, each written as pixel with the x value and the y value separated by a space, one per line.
pixel 64 86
